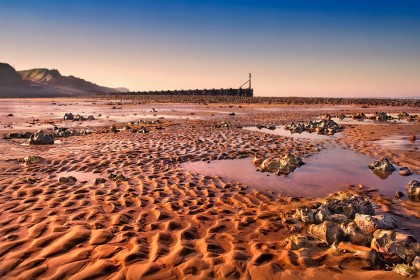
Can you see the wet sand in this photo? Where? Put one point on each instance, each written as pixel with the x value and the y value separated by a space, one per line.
pixel 166 222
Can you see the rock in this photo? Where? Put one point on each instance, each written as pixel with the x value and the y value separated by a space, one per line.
pixel 395 243
pixel 321 214
pixel 384 164
pixel 68 117
pixel 299 241
pixel 117 178
pixel 341 116
pixel 337 218
pixel 328 231
pixel 90 118
pixel 257 161
pixel 413 190
pixel 360 252
pixel 18 135
pixel 405 270
pixel 398 194
pixel 403 115
pixel 41 138
pixel 416 262
pixel 306 215
pixel 412 137
pixel 369 224
pixel 98 181
pixel 355 235
pixel 404 171
pixel 381 116
pixel 32 159
pixel 359 116
pixel 350 206
pixel 69 179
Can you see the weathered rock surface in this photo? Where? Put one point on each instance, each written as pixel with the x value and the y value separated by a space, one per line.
pixel 369 224
pixel 395 243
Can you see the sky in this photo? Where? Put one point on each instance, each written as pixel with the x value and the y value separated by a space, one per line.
pixel 331 48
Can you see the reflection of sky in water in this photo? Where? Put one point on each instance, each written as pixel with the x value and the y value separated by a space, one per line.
pixel 283 132
pixel 398 142
pixel 329 171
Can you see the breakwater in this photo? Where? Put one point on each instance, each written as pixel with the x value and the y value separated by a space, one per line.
pixel 246 92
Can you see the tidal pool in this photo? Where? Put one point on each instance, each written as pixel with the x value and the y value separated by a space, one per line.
pixel 329 171
pixel 283 132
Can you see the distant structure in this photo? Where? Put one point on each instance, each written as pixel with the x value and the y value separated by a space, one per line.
pixel 247 92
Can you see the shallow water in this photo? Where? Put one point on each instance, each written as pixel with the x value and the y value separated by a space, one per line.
pixel 283 132
pixel 80 175
pixel 398 142
pixel 329 171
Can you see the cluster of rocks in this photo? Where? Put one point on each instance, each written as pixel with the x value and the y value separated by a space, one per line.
pixel 347 220
pixel 41 138
pixel 281 166
pixel 117 177
pixel 408 117
pixel 326 126
pixel 71 117
pixel 383 168
pixel 65 132
pixel 18 135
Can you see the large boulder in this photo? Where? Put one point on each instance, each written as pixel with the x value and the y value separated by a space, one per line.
pixel 328 231
pixel 369 224
pixel 41 138
pixel 383 165
pixel 413 190
pixel 390 242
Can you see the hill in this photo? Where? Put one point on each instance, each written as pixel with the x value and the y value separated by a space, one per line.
pixel 42 82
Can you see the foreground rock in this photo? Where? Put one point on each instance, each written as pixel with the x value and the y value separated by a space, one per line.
pixel 348 222
pixel 41 138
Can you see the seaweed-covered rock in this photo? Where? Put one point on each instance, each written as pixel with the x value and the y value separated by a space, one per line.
pixel 350 206
pixel 41 138
pixel 384 165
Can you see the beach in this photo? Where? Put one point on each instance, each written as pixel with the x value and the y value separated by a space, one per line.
pixel 116 199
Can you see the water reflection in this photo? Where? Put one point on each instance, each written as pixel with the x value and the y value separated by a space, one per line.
pixel 329 171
